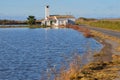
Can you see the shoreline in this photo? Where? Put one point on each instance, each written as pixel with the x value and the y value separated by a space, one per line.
pixel 110 50
pixel 106 50
pixel 113 42
pixel 104 65
pixel 101 67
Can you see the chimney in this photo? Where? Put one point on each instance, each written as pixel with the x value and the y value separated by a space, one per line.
pixel 47 11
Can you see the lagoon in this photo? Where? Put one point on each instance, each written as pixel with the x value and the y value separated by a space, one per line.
pixel 26 53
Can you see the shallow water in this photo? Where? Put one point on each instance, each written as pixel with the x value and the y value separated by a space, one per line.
pixel 25 53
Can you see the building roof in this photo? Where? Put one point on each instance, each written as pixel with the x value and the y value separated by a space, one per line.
pixel 61 16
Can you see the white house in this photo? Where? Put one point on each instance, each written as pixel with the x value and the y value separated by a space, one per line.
pixel 57 20
pixel 60 20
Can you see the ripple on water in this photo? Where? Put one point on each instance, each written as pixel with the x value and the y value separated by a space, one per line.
pixel 25 53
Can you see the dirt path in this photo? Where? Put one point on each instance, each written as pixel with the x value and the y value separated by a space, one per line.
pixel 108 32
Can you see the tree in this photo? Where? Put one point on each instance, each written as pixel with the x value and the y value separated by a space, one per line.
pixel 31 20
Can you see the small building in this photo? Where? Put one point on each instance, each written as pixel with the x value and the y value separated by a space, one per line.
pixel 57 20
pixel 60 20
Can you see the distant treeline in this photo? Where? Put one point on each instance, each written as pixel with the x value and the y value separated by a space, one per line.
pixel 15 22
pixel 86 19
pixel 12 22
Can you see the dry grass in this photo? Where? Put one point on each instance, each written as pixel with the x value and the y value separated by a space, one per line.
pixel 73 71
pixel 118 49
pixel 116 58
pixel 98 70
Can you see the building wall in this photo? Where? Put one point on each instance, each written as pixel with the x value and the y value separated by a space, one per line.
pixel 65 21
pixel 58 22
pixel 71 21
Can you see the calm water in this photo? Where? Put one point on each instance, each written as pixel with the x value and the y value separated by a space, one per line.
pixel 25 53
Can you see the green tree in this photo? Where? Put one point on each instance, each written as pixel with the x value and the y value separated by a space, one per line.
pixel 31 20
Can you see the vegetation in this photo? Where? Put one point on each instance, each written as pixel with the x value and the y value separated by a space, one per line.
pixel 9 22
pixel 30 23
pixel 107 24
pixel 31 20
pixel 98 69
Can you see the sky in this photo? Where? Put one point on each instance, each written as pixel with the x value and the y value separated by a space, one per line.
pixel 20 9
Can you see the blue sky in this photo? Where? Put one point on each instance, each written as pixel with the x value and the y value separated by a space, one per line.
pixel 20 9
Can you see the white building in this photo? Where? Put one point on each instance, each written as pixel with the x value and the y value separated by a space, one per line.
pixel 57 20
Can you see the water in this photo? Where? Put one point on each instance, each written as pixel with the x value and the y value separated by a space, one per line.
pixel 25 53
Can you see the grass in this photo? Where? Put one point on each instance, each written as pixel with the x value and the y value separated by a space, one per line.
pixel 118 49
pixel 107 24
pixel 97 70
pixel 92 71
